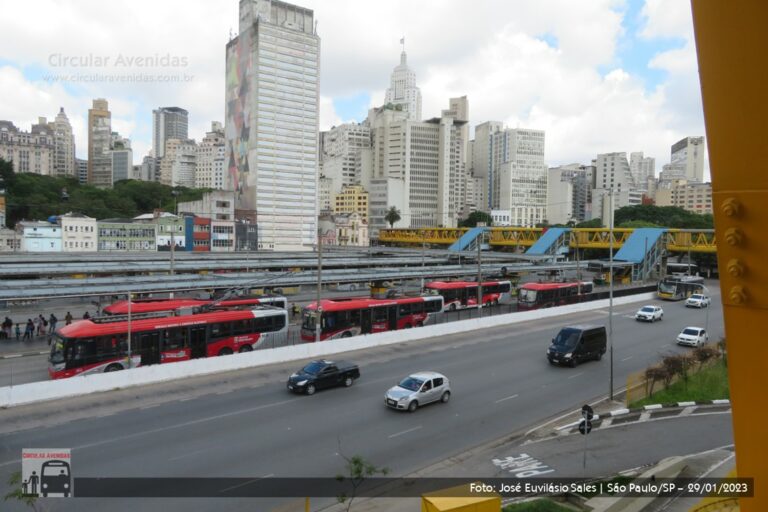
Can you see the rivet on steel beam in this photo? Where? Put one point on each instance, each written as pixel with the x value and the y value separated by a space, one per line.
pixel 735 268
pixel 734 236
pixel 731 207
pixel 737 295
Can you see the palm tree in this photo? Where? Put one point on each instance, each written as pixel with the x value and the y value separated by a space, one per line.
pixel 392 216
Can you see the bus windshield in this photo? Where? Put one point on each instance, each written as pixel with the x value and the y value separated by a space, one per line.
pixel 527 295
pixel 308 320
pixel 667 287
pixel 57 350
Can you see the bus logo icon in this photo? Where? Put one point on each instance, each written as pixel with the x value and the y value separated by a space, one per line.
pixel 46 472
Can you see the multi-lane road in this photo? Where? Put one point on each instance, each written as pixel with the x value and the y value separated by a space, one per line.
pixel 247 425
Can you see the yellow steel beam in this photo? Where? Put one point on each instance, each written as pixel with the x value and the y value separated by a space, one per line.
pixel 695 241
pixel 731 47
pixel 514 237
pixel 598 238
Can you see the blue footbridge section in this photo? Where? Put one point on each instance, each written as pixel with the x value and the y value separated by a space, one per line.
pixel 549 243
pixel 467 240
pixel 643 249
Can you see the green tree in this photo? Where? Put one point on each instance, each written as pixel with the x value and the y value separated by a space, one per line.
pixel 16 494
pixel 638 224
pixel 392 216
pixel 590 224
pixel 474 218
pixel 357 470
pixel 666 216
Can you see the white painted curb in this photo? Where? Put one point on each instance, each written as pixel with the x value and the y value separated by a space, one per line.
pixel 721 402
pixel 49 390
pixel 685 404
pixel 619 412
pixel 653 406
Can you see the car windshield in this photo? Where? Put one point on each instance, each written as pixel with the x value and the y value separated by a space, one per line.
pixel 691 332
pixel 647 309
pixel 696 296
pixel 566 339
pixel 57 350
pixel 527 295
pixel 411 383
pixel 313 368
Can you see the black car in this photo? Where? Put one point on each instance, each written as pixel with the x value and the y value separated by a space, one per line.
pixel 323 374
pixel 577 343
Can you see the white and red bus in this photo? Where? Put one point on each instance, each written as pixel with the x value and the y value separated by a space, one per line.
pixel 463 294
pixel 342 318
pixel 547 295
pixel 153 305
pixel 101 344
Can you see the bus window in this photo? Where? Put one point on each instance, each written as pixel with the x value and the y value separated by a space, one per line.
pixel 379 315
pixel 433 306
pixel 106 347
pixel 220 330
pixel 174 339
pixel 241 327
pixel 417 308
pixel 505 287
pixel 404 310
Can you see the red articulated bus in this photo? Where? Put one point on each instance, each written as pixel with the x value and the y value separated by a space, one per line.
pixel 101 344
pixel 154 305
pixel 342 318
pixel 547 295
pixel 463 294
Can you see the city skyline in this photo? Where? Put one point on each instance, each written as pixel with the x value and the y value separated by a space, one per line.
pixel 609 76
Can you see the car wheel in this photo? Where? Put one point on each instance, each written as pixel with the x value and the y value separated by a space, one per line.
pixel 599 356
pixel 245 348
pixel 113 368
pixel 225 351
pixel 311 389
pixel 572 363
pixel 413 406
pixel 446 396
pixel 348 381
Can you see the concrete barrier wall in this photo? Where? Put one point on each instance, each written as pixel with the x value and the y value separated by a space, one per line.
pixel 49 390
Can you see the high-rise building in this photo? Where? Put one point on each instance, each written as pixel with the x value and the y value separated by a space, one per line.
pixel 353 199
pixel 81 170
pixel 612 173
pixel 518 175
pixel 168 123
pixel 122 158
pixel 341 154
pixel 29 151
pixel 402 91
pixel 569 193
pixel 177 167
pixel 689 153
pixel 641 168
pixel 272 120
pixel 211 159
pixel 64 145
pixel 99 139
pixel 481 162
pixel 458 109
pixel 690 195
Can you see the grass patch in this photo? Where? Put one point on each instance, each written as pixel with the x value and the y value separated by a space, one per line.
pixel 540 505
pixel 708 384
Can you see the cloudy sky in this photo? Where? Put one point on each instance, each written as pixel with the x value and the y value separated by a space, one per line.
pixel 597 75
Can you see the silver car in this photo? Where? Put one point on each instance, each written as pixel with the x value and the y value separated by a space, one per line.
pixel 418 389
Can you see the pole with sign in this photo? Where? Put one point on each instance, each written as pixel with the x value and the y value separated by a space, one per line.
pixel 585 427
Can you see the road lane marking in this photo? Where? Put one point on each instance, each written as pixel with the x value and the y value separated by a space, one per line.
pixel 151 406
pixel 627 358
pixel 505 398
pixel 577 375
pixel 405 432
pixel 190 454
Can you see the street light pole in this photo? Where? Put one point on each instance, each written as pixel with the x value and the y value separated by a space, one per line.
pixel 130 358
pixel 480 273
pixel 423 249
pixel 610 286
pixel 319 308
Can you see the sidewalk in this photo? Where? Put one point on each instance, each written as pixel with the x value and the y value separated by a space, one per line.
pixel 12 348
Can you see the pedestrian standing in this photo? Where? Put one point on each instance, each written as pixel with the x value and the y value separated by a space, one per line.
pixel 37 323
pixel 68 318
pixel 52 321
pixel 18 332
pixel 43 325
pixel 29 331
pixel 86 316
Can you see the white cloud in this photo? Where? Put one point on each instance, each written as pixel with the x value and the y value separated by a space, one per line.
pixel 494 51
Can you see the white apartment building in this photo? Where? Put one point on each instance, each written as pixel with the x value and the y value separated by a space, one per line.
pixel 272 120
pixel 39 236
pixel 122 158
pixel 612 173
pixel 518 175
pixel 689 153
pixel 402 90
pixel 341 154
pixel 177 167
pixel 210 171
pixel 219 206
pixel 10 241
pixel 29 151
pixel 642 169
pixel 569 193
pixel 690 195
pixel 324 196
pixel 481 161
pixel 64 146
pixel 79 233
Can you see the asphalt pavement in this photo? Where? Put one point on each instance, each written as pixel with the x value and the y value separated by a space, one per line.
pixel 247 425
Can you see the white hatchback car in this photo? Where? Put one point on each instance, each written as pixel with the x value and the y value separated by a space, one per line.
pixel 418 389
pixel 692 336
pixel 698 300
pixel 649 313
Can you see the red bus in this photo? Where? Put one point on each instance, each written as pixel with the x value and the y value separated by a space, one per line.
pixel 154 305
pixel 342 318
pixel 547 295
pixel 463 294
pixel 101 344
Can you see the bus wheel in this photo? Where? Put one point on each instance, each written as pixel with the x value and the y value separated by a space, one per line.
pixel 407 326
pixel 113 368
pixel 496 302
pixel 346 334
pixel 245 348
pixel 419 324
pixel 452 307
pixel 225 351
